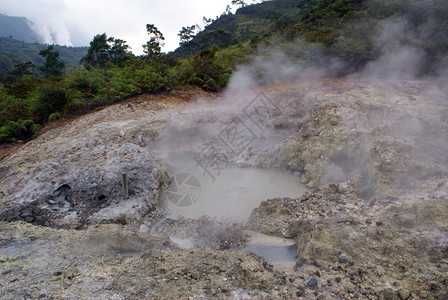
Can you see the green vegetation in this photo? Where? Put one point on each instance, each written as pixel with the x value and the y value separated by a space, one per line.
pixel 306 30
pixel 343 29
pixel 52 66
pixel 109 74
pixel 248 23
pixel 103 50
pixel 13 52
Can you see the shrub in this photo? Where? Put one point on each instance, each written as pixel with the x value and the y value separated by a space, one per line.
pixel 13 131
pixel 54 117
pixel 222 236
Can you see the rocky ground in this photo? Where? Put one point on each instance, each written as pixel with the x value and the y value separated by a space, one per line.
pixel 374 225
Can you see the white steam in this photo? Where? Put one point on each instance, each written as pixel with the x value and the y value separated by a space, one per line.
pixel 398 59
pixel 51 31
pixel 47 18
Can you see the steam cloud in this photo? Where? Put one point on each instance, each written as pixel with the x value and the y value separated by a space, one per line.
pixel 47 18
pixel 413 128
pixel 70 22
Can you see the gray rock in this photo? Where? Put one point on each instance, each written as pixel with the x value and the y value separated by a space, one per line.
pixel 343 258
pixel 429 278
pixel 363 291
pixel 390 295
pixel 88 191
pixel 312 282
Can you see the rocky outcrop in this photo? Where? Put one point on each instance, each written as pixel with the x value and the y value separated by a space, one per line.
pixel 382 135
pixel 72 176
pixel 280 216
pixel 374 244
pixel 116 262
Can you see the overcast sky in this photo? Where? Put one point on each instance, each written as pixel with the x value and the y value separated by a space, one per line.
pixel 75 22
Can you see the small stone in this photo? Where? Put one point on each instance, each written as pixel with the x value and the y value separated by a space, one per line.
pixel 434 287
pixel 312 282
pixel 317 273
pixel 406 274
pixel 338 279
pixel 363 291
pixel 336 291
pixel 343 258
pixel 26 212
pixel 13 258
pixel 300 262
pixel 404 294
pixel 144 229
pixel 339 297
pixel 390 295
pixel 429 278
pixel 351 287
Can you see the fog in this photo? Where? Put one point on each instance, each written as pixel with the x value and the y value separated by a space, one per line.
pixel 75 23
pixel 404 118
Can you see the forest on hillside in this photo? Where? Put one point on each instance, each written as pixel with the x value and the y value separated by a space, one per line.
pixel 13 52
pixel 44 85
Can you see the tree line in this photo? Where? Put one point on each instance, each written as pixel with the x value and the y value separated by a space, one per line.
pixel 108 73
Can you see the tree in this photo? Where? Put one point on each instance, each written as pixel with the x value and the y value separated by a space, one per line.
pixel 119 53
pixel 22 69
pixel 207 21
pixel 98 53
pixel 239 3
pixel 52 67
pixel 103 49
pixel 186 34
pixel 153 47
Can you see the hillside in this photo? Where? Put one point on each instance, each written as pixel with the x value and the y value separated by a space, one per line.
pixel 13 51
pixel 18 28
pixel 20 43
pixel 248 23
pixel 352 31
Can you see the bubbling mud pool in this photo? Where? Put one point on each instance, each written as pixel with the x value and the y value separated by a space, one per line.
pixel 230 196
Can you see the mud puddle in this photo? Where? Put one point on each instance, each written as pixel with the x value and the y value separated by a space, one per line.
pixel 231 195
